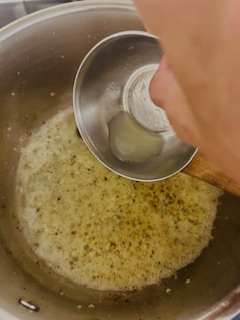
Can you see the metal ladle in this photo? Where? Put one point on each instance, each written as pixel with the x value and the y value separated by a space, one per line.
pixel 111 96
pixel 115 115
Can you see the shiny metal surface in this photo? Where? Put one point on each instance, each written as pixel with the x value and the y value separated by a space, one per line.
pixel 105 87
pixel 40 55
pixel 11 10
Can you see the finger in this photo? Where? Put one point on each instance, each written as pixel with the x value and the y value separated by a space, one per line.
pixel 159 81
pixel 166 92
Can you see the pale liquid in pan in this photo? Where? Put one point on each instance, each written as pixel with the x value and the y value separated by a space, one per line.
pixel 130 142
pixel 98 229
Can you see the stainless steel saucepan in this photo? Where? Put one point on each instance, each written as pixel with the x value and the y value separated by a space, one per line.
pixel 39 58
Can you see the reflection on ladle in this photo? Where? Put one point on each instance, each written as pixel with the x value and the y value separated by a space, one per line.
pixel 135 132
pixel 137 101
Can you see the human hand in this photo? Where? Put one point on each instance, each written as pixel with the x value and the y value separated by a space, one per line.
pixel 198 81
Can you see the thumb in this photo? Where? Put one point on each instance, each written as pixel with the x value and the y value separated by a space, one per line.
pixel 160 82
pixel 166 92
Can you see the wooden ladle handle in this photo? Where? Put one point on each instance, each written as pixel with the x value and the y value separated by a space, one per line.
pixel 202 169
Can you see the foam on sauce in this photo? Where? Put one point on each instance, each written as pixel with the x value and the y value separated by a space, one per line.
pixel 98 229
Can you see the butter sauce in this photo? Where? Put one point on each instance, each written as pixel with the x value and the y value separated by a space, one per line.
pixel 98 229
